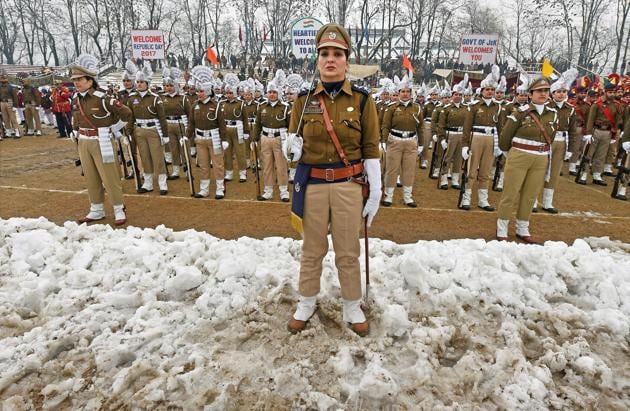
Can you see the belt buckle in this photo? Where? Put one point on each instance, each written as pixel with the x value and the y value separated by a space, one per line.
pixel 330 174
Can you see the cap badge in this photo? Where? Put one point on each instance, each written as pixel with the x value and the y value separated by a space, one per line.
pixel 332 35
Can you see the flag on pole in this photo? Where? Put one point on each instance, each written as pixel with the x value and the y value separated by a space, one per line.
pixel 240 34
pixel 547 68
pixel 407 64
pixel 211 55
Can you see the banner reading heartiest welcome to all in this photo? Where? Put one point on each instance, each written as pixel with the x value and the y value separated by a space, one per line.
pixel 478 48
pixel 303 31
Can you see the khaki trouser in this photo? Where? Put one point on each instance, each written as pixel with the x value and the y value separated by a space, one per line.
pixel 598 150
pixel 481 159
pixel 557 159
pixel 576 147
pixel 150 149
pixel 31 113
pixel 248 149
pixel 611 155
pixel 426 139
pixel 401 161
pixel 174 134
pixel 335 206
pixel 453 153
pixel 8 116
pixel 205 153
pixel 234 148
pixel 99 174
pixel 524 178
pixel 273 159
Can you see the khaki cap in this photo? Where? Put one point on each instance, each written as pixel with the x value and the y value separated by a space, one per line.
pixel 540 83
pixel 78 72
pixel 333 35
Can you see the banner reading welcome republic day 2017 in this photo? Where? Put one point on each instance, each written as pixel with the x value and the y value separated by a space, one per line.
pixel 147 44
pixel 303 31
pixel 478 48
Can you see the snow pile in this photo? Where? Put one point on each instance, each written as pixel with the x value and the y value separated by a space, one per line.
pixel 92 317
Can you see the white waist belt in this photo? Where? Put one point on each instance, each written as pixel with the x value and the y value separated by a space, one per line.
pixel 531 143
pixel 146 120
pixel 84 137
pixel 560 136
pixel 203 133
pixel 404 134
pixel 173 121
pixel 272 130
pixel 487 130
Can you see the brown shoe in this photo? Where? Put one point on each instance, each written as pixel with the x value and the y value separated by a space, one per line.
pixel 361 329
pixel 295 326
pixel 527 239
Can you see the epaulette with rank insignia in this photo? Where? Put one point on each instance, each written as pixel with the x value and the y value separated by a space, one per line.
pixel 133 93
pixel 99 93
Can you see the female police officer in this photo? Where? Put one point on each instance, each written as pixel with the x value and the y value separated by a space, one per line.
pixel 333 127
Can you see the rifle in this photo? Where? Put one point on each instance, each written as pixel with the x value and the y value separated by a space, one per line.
pixel 77 162
pixel 498 168
pixel 583 163
pixel 256 171
pixel 121 155
pixel 434 156
pixel 464 183
pixel 621 170
pixel 442 161
pixel 187 161
pixel 134 166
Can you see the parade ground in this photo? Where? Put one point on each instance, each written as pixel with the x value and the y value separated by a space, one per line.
pixel 38 178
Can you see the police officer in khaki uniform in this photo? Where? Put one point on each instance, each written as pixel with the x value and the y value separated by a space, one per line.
pixel 236 128
pixel 427 112
pixel 324 199
pixel 625 145
pixel 97 118
pixel 32 102
pixel 526 137
pixel 176 109
pixel 445 98
pixel 150 130
pixel 401 129
pixel 604 120
pixel 250 107
pixel 450 128
pixel 270 129
pixel 8 100
pixel 206 122
pixel 563 138
pixel 480 141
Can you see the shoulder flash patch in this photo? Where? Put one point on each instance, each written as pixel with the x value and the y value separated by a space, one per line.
pixel 98 93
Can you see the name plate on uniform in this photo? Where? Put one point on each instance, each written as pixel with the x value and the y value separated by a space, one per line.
pixel 313 107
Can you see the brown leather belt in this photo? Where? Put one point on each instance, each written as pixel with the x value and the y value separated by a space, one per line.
pixel 88 132
pixel 540 149
pixel 337 174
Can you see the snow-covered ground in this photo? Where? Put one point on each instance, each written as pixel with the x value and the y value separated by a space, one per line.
pixel 92 317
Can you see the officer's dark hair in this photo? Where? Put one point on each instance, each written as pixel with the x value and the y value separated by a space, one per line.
pixel 347 52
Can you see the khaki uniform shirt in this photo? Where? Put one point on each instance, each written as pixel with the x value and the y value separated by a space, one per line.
pixel 100 110
pixel 176 105
pixel 31 95
pixel 452 117
pixel 357 130
pixel 250 109
pixel 567 119
pixel 428 109
pixel 272 116
pixel 481 114
pixel 597 119
pixel 435 118
pixel 581 109
pixel 397 116
pixel 234 111
pixel 146 108
pixel 123 95
pixel 8 93
pixel 520 124
pixel 205 115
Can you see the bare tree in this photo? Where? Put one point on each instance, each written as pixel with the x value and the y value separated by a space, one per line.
pixel 8 33
pixel 623 7
pixel 337 10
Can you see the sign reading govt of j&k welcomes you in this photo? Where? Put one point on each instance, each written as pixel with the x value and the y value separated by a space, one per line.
pixel 303 31
pixel 478 48
pixel 147 44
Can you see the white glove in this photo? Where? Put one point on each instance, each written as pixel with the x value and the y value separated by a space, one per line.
pixel 74 136
pixel 225 145
pixel 444 144
pixel 626 146
pixel 465 153
pixel 587 138
pixel 183 141
pixel 164 140
pixel 568 155
pixel 434 137
pixel 245 136
pixel 420 149
pixel 252 145
pixel 384 147
pixel 294 145
pixel 497 152
pixel 124 140
pixel 613 141
pixel 372 168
